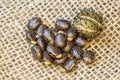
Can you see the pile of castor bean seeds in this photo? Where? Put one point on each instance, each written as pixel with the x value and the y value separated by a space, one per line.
pixel 62 45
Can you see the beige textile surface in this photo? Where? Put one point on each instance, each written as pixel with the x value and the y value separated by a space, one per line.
pixel 16 62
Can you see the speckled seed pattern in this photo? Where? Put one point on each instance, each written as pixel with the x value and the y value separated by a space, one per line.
pixel 16 62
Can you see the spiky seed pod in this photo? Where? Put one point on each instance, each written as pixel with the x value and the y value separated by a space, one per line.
pixel 88 23
pixel 87 28
pixel 90 14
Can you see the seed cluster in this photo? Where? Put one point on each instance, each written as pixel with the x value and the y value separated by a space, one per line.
pixel 61 45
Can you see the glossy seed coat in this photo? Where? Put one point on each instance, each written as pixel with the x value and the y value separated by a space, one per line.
pixel 48 35
pixel 77 53
pixel 54 51
pixel 88 57
pixel 30 35
pixel 80 41
pixel 41 42
pixel 60 40
pixel 68 46
pixel 41 29
pixel 62 59
pixel 36 52
pixel 47 59
pixel 34 23
pixel 71 34
pixel 62 25
pixel 69 65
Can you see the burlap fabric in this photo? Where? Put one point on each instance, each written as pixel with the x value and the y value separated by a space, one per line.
pixel 16 62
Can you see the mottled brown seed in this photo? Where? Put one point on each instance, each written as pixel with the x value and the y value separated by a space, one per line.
pixel 41 29
pixel 62 59
pixel 77 53
pixel 62 25
pixel 68 46
pixel 80 41
pixel 34 23
pixel 41 43
pixel 88 56
pixel 71 34
pixel 36 52
pixel 54 51
pixel 69 65
pixel 48 35
pixel 47 59
pixel 30 35
pixel 60 40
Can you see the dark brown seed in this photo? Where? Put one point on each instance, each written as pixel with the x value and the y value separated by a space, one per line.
pixel 47 59
pixel 54 31
pixel 41 43
pixel 80 41
pixel 41 29
pixel 60 40
pixel 71 34
pixel 77 53
pixel 48 35
pixel 34 23
pixel 88 57
pixel 68 46
pixel 54 51
pixel 62 25
pixel 30 35
pixel 36 52
pixel 69 65
pixel 62 59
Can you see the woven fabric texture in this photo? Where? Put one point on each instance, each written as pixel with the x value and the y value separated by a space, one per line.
pixel 16 62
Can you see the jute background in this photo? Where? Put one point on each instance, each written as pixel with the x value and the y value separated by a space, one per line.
pixel 16 62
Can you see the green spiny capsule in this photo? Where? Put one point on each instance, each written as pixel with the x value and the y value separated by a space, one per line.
pixel 87 28
pixel 90 14
pixel 88 23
